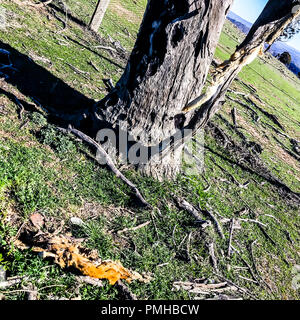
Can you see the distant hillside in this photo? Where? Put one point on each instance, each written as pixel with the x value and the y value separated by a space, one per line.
pixel 277 48
pixel 242 24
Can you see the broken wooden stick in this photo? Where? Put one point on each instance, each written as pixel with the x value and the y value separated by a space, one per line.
pixel 233 115
pixel 9 283
pixel 230 237
pixel 184 205
pixel 110 164
pixel 134 228
pixel 203 288
pixel 211 250
pixel 128 295
pixel 243 290
pixel 82 73
pixel 89 280
pixel 215 222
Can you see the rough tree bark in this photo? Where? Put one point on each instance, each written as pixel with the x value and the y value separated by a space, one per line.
pixel 98 14
pixel 167 69
pixel 160 92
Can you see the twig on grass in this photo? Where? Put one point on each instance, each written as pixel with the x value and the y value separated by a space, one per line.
pixel 109 163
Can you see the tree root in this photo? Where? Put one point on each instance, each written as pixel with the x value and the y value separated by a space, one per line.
pixel 109 164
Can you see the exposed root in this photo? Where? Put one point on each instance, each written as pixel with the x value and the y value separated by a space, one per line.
pixel 110 164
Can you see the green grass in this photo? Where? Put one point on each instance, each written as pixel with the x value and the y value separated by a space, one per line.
pixel 42 170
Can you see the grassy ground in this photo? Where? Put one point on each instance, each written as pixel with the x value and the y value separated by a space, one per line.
pixel 44 171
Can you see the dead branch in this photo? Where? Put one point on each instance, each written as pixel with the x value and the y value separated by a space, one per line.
pixel 9 283
pixel 21 108
pixel 94 66
pixel 125 291
pixel 184 205
pixel 252 255
pixel 292 154
pixel 278 131
pixel 233 179
pixel 202 288
pixel 82 73
pixel 212 255
pixel 250 87
pixel 134 228
pixel 267 235
pixel 215 221
pixel 110 164
pixel 90 280
pixel 238 93
pixel 233 115
pixel 253 221
pixel 243 290
pixel 105 48
pixel 248 266
pixel 230 237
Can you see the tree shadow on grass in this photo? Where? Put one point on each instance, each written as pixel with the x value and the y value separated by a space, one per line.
pixel 38 83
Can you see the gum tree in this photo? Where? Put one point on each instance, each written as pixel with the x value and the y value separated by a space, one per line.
pixel 161 90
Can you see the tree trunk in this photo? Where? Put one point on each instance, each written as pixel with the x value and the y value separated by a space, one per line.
pixel 167 68
pixel 98 14
pixel 160 92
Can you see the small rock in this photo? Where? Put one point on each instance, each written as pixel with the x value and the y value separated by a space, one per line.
pixel 76 221
pixel 37 220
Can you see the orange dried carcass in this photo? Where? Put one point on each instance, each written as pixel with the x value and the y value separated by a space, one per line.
pixel 67 254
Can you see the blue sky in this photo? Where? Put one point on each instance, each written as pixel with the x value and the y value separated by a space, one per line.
pixel 250 10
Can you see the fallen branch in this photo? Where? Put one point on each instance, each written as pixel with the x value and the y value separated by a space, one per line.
pixel 202 288
pixel 278 131
pixel 233 115
pixel 247 292
pixel 125 291
pixel 134 228
pixel 110 164
pixel 21 108
pixel 9 283
pixel 230 238
pixel 238 93
pixel 105 48
pixel 250 87
pixel 233 179
pixel 212 255
pixel 215 221
pixel 94 66
pixel 247 265
pixel 253 221
pixel 83 73
pixel 184 205
pixel 89 280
